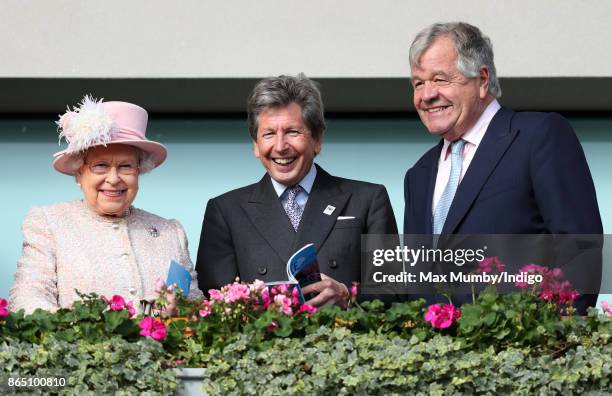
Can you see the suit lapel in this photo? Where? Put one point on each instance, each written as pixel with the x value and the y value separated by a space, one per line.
pixel 421 185
pixel 430 173
pixel 494 144
pixel 315 225
pixel 267 214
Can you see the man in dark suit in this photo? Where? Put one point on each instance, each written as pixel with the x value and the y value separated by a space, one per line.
pixel 251 232
pixel 494 171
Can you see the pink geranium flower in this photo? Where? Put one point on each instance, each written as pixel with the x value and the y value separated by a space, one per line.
pixel 215 295
pixel 552 288
pixel 237 292
pixel 3 311
pixel 442 316
pixel 117 303
pixel 206 308
pixel 491 264
pixel 131 310
pixel 309 309
pixel 546 295
pixel 354 289
pixel 531 269
pixel 605 306
pixel 265 297
pixel 257 287
pixel 272 326
pixel 283 304
pixel 566 292
pixel 153 327
pixel 295 296
pixel 280 289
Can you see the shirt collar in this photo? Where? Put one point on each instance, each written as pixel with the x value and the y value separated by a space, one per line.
pixel 306 182
pixel 475 134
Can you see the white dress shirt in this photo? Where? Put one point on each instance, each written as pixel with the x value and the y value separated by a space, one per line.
pixel 472 138
pixel 306 184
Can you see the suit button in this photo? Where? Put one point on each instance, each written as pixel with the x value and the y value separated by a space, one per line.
pixel 332 263
pixel 262 270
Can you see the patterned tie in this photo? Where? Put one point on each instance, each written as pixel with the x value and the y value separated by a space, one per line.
pixel 451 187
pixel 292 208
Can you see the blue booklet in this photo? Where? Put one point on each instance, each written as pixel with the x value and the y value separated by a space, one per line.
pixel 179 276
pixel 302 270
pixel 303 266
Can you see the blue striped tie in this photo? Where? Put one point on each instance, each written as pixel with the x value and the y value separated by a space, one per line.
pixel 451 187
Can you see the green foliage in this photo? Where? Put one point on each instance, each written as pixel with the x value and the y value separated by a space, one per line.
pixel 218 330
pixel 405 319
pixel 339 362
pixel 114 366
pixel 88 319
pixel 506 344
pixel 512 319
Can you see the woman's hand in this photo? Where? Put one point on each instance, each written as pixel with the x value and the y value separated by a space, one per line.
pixel 166 298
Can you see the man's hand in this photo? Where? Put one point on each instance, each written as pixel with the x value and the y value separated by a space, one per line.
pixel 329 291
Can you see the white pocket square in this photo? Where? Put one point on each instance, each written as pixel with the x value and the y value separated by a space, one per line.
pixel 345 217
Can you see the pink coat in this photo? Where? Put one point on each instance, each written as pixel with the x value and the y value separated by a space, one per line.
pixel 66 246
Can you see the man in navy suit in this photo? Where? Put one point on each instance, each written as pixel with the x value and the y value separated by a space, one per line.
pixel 494 171
pixel 251 232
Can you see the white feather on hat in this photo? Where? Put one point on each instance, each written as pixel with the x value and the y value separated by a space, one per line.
pixel 85 126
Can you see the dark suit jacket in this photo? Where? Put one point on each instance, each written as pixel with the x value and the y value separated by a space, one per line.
pixel 247 233
pixel 528 176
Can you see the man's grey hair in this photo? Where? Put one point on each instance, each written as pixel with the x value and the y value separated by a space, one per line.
pixel 474 49
pixel 145 161
pixel 281 91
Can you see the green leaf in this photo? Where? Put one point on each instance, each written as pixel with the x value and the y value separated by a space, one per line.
pixel 113 319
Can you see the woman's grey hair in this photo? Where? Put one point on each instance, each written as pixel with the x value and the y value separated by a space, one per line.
pixel 145 161
pixel 281 91
pixel 474 49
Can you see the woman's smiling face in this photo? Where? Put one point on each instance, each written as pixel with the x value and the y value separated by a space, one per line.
pixel 109 178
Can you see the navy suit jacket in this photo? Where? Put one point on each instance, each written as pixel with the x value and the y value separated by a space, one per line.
pixel 246 232
pixel 529 175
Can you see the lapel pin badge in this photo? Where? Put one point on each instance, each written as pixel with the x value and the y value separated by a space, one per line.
pixel 329 210
pixel 153 232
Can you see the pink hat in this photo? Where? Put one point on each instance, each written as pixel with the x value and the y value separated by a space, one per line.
pixel 95 123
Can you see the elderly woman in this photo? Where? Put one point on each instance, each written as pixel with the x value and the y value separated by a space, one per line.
pixel 100 243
